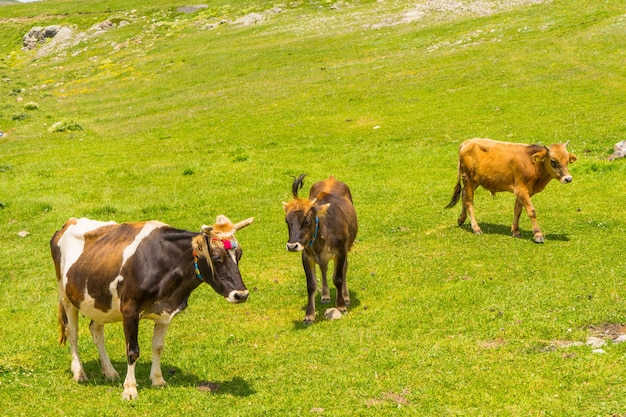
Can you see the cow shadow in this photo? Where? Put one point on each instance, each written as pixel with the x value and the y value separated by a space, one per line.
pixel 320 307
pixel 174 376
pixel 500 229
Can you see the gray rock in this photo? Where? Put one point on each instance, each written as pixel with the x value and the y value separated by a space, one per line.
pixel 333 314
pixel 191 9
pixel 619 150
pixel 595 342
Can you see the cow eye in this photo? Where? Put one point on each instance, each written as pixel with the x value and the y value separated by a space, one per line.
pixel 553 163
pixel 307 221
pixel 216 259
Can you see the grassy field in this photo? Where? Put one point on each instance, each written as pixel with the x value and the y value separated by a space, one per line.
pixel 181 117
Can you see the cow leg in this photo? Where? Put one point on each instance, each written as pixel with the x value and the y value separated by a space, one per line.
pixel 530 209
pixel 131 330
pixel 71 312
pixel 468 206
pixel 517 211
pixel 325 298
pixel 463 215
pixel 97 333
pixel 339 278
pixel 158 341
pixel 311 286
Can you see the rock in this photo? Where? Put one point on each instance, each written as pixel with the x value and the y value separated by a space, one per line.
pixel 23 233
pixel 191 9
pixel 61 40
pixel 51 31
pixel 619 150
pixel 595 342
pixel 620 339
pixel 600 351
pixel 332 314
pixel 250 19
pixel 38 34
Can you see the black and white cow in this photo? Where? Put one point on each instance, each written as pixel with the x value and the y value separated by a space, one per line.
pixel 126 272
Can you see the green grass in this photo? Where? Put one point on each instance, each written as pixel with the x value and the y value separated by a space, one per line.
pixel 181 123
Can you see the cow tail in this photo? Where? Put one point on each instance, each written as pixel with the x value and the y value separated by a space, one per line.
pixel 62 316
pixel 457 190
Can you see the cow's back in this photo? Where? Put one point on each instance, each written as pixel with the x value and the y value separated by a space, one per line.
pixel 496 166
pixel 89 258
pixel 340 217
pixel 330 186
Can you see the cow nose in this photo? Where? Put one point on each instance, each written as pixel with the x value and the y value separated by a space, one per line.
pixel 567 179
pixel 239 296
pixel 294 247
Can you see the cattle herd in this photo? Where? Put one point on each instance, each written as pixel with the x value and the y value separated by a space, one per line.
pixel 126 272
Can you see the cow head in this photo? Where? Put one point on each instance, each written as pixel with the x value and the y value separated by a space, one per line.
pixel 555 159
pixel 302 217
pixel 217 246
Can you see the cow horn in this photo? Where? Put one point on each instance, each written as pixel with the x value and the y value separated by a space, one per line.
pixel 566 143
pixel 206 229
pixel 243 223
pixel 314 201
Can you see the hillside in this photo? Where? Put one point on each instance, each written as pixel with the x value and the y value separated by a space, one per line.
pixel 156 110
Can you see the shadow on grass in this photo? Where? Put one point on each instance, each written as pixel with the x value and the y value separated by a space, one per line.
pixel 174 376
pixel 320 308
pixel 499 229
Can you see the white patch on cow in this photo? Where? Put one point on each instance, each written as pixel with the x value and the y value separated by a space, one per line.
pixel 88 306
pixel 72 242
pixel 145 231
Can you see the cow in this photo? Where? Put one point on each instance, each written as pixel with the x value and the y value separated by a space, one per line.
pixel 521 169
pixel 126 272
pixel 322 227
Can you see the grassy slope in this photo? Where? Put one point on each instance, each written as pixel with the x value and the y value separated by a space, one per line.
pixel 183 124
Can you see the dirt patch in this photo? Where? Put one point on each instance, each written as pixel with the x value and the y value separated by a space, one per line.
pixel 448 8
pixel 608 331
pixel 390 397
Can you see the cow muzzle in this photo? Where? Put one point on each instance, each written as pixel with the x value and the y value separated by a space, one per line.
pixel 566 179
pixel 239 296
pixel 294 247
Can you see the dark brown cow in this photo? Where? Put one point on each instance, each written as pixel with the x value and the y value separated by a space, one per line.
pixel 521 169
pixel 125 272
pixel 322 227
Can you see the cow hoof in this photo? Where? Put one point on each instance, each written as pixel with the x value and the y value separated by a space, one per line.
pixel 130 394
pixel 478 232
pixel 539 239
pixel 80 376
pixel 517 235
pixel 111 376
pixel 308 321
pixel 325 299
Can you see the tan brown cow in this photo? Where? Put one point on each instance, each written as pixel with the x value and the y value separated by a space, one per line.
pixel 521 169
pixel 126 272
pixel 322 227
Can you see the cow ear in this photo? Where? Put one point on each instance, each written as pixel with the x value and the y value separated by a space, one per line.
pixel 206 229
pixel 572 158
pixel 539 156
pixel 321 210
